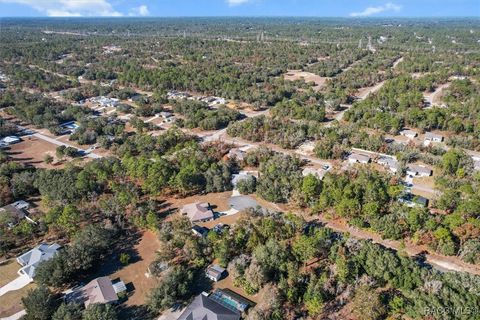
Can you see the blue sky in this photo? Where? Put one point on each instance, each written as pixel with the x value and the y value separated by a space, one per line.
pixel 169 8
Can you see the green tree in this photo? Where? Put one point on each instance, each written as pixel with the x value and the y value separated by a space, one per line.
pixel 39 304
pixel 367 304
pixel 99 311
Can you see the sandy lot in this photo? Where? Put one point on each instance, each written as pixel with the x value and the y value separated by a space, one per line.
pixel 8 272
pixel 293 75
pixel 135 272
pixel 219 201
pixel 32 151
pixel 11 302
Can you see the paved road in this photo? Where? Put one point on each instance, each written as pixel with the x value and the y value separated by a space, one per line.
pixel 59 143
pixel 15 316
pixel 16 284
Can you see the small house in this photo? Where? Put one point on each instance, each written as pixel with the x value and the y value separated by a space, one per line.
pixel 358 158
pixel 409 133
pixel 12 214
pixel 411 200
pixel 313 171
pixel 100 290
pixel 433 137
pixel 10 140
pixel 388 162
pixel 165 114
pixel 418 171
pixel 215 272
pixel 197 211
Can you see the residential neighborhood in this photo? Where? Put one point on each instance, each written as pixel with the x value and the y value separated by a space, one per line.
pixel 235 161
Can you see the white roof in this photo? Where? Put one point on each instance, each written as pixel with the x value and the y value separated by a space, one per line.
pixel 359 157
pixel 11 139
pixel 32 258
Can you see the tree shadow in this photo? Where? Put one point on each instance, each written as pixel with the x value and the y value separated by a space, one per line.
pixel 135 312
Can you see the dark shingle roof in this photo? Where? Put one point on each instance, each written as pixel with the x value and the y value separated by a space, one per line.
pixel 204 308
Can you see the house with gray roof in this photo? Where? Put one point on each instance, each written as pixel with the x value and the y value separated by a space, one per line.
pixel 197 211
pixel 358 158
pixel 205 308
pixel 31 259
pixel 409 133
pixel 388 162
pixel 433 137
pixel 215 272
pixel 418 170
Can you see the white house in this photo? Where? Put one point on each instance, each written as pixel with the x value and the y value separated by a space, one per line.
pixel 358 158
pixel 389 162
pixel 408 133
pixel 10 140
pixel 433 137
pixel 417 170
pixel 215 272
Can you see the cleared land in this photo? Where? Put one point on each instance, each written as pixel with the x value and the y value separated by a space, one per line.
pixel 293 75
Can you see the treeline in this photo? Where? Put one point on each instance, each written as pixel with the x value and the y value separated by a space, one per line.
pixel 306 271
pixel 282 132
pixel 34 78
pixel 39 110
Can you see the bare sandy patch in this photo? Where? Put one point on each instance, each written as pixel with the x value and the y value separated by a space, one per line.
pixel 293 75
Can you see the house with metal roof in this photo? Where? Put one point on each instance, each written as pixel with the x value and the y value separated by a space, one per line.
pixel 433 137
pixel 417 170
pixel 358 158
pixel 388 162
pixel 31 259
pixel 215 272
pixel 409 133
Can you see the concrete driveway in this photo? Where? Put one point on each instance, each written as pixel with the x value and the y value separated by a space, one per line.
pixel 15 284
pixel 240 203
pixel 16 316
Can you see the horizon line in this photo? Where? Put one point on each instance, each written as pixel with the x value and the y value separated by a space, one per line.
pixel 240 16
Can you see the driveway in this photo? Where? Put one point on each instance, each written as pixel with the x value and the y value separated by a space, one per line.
pixel 16 316
pixel 16 284
pixel 240 203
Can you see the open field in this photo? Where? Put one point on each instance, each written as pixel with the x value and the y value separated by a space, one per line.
pixel 11 302
pixel 8 271
pixel 219 201
pixel 293 75
pixel 135 272
pixel 32 151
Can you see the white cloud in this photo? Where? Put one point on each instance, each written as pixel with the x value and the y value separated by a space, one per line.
pixel 139 11
pixel 374 10
pixel 236 2
pixel 70 8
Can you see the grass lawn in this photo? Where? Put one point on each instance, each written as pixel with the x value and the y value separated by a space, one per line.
pixel 11 302
pixel 8 272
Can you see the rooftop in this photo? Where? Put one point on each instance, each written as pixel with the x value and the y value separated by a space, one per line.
pixel 205 308
pixel 197 211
